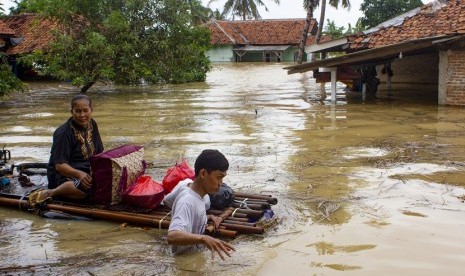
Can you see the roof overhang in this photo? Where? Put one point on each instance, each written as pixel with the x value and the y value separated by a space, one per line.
pixel 332 45
pixel 376 55
pixel 261 48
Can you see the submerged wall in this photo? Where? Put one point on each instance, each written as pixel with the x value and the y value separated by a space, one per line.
pixel 452 76
pixel 225 53
pixel 221 53
pixel 420 69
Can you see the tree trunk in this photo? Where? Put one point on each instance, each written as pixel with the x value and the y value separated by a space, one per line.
pixel 322 21
pixel 308 21
pixel 87 86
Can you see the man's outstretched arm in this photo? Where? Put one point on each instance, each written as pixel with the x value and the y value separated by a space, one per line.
pixel 176 237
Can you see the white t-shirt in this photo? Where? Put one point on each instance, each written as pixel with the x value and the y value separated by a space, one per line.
pixel 188 215
pixel 171 197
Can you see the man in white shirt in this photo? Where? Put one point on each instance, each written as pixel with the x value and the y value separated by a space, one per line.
pixel 189 217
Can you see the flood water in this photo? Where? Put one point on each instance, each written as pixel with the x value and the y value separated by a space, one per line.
pixel 364 188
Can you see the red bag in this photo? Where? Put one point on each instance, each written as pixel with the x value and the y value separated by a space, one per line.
pixel 145 193
pixel 175 174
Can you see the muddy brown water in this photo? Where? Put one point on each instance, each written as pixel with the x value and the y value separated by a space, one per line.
pixel 364 188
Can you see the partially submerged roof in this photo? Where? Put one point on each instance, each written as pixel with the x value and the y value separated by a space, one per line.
pixel 419 30
pixel 377 55
pixel 438 18
pixel 260 32
pixel 32 32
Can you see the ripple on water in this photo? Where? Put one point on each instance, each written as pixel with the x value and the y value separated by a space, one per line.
pixel 26 242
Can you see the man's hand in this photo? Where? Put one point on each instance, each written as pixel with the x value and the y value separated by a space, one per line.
pixel 85 178
pixel 216 220
pixel 216 245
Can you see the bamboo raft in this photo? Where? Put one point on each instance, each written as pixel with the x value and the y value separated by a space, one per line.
pixel 241 218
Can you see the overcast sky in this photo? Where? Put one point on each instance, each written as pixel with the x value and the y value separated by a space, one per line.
pixel 287 9
pixel 294 9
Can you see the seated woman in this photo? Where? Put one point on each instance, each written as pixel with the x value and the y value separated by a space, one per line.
pixel 68 170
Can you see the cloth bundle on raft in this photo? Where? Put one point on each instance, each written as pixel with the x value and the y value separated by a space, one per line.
pixel 113 171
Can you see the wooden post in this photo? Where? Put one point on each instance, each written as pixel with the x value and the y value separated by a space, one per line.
pixel 333 71
pixel 389 78
pixel 364 91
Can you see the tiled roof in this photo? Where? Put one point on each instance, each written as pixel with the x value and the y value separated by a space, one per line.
pixel 438 18
pixel 36 31
pixel 260 32
pixel 5 30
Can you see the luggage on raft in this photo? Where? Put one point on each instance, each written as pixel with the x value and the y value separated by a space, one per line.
pixel 145 193
pixel 113 171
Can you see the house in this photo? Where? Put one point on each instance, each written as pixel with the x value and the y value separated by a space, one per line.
pixel 423 46
pixel 5 34
pixel 24 34
pixel 272 40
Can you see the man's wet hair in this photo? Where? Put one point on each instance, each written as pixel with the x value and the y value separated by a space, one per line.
pixel 211 160
pixel 80 97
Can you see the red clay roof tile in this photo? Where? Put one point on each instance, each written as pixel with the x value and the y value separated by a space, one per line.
pixel 426 23
pixel 260 32
pixel 5 30
pixel 37 32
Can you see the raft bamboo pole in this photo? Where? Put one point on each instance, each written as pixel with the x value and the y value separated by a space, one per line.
pixel 103 214
pixel 218 212
pixel 268 198
pixel 250 224
pixel 245 229
pixel 257 207
pixel 238 219
pixel 230 230
pixel 250 213
pixel 225 223
pixel 264 203
pixel 241 213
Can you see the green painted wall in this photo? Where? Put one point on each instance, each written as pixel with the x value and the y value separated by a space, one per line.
pixel 221 53
pixel 224 53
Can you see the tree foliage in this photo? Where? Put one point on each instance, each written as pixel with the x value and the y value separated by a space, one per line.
pixel 124 41
pixel 8 81
pixel 336 32
pixel 244 9
pixel 333 30
pixel 378 11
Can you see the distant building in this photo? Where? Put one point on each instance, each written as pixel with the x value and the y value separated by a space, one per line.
pixel 23 34
pixel 274 40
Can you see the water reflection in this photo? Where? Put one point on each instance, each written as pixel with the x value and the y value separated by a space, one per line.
pixel 361 185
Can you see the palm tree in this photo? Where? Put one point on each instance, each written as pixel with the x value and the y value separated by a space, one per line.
pixel 333 3
pixel 246 9
pixel 310 6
